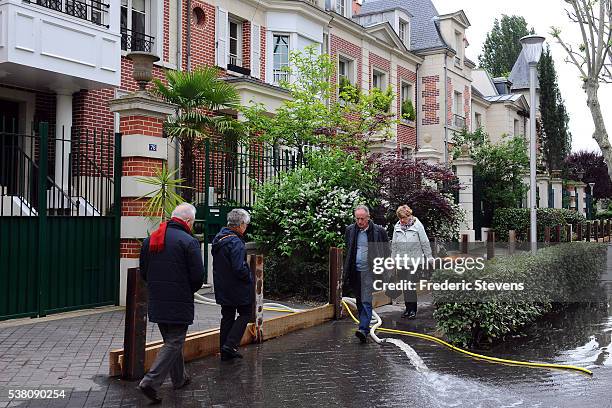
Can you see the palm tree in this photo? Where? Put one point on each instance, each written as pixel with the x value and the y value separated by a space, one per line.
pixel 198 95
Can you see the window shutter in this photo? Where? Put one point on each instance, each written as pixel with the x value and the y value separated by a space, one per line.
pixel 255 50
pixel 222 38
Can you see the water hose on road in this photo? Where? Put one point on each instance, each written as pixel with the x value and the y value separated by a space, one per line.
pixel 272 307
pixel 376 327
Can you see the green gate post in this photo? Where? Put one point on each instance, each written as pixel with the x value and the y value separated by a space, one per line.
pixel 117 211
pixel 43 255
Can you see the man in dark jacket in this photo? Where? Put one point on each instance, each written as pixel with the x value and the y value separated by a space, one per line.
pixel 234 289
pixel 171 264
pixel 364 241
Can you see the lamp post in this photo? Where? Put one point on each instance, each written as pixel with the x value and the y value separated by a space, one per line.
pixel 532 50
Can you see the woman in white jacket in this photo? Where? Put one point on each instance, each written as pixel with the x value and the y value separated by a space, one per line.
pixel 410 240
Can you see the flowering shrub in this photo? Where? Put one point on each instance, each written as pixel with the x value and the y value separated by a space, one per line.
pixel 424 187
pixel 297 217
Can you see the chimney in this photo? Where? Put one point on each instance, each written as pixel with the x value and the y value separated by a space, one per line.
pixel 357 6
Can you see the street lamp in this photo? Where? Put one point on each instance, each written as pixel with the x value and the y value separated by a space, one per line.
pixel 532 49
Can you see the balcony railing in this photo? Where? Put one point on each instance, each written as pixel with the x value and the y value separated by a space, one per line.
pixel 458 121
pixel 92 10
pixel 235 65
pixel 279 75
pixel 135 41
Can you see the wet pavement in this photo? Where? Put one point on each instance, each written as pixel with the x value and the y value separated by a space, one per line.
pixel 326 366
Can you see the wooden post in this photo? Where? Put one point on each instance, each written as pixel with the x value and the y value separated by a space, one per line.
pixel 579 232
pixel 135 336
pixel 490 244
pixel 588 231
pixel 511 241
pixel 558 233
pixel 547 235
pixel 568 232
pixel 609 232
pixel 464 243
pixel 335 281
pixel 256 266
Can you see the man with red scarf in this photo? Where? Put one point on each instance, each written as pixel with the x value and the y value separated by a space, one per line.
pixel 171 264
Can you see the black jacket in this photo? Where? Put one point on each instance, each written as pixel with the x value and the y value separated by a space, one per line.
pixel 232 276
pixel 377 234
pixel 173 276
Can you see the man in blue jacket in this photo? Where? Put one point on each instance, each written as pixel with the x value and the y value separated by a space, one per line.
pixel 234 288
pixel 171 264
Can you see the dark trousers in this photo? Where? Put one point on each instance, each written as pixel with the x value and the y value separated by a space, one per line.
pixel 410 296
pixel 169 360
pixel 232 328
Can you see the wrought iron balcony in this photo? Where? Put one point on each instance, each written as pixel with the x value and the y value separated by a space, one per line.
pixel 235 65
pixel 458 121
pixel 92 10
pixel 135 41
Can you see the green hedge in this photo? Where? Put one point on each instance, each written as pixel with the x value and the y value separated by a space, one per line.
pixel 555 277
pixel 517 219
pixel 604 215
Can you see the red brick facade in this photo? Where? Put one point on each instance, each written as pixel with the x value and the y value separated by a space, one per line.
pixel 202 36
pixel 130 248
pixel 340 46
pixel 449 101
pixel 141 125
pixel 380 63
pixel 467 105
pixel 430 105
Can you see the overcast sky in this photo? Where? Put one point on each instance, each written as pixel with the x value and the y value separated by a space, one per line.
pixel 541 15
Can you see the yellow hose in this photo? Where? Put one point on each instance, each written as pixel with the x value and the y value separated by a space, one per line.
pixel 469 353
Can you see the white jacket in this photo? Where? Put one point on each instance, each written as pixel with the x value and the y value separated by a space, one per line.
pixel 413 242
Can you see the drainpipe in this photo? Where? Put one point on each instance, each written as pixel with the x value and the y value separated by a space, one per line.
pixel 416 105
pixel 188 39
pixel 179 40
pixel 445 110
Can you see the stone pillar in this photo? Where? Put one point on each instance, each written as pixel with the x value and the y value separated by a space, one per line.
pixel 465 167
pixel 428 153
pixel 581 199
pixel 557 185
pixel 63 134
pixel 542 182
pixel 143 151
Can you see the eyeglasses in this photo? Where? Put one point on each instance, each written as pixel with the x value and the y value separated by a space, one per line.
pixel 362 218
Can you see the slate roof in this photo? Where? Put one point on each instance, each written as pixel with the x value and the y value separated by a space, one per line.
pixel 424 31
pixel 503 98
pixel 520 74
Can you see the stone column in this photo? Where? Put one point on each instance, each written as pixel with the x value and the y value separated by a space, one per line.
pixel 542 181
pixel 557 185
pixel 465 168
pixel 581 199
pixel 63 134
pixel 143 151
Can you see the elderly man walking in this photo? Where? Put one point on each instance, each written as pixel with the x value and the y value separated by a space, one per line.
pixel 171 264
pixel 364 242
pixel 234 288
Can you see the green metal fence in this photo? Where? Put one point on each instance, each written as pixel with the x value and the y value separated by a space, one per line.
pixel 227 176
pixel 59 221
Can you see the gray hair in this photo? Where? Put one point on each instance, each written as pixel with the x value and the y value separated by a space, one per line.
pixel 184 211
pixel 362 207
pixel 237 217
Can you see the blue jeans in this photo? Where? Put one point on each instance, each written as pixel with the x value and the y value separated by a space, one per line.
pixel 365 315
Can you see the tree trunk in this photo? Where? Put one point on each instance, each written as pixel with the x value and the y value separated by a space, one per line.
pixel 187 164
pixel 600 135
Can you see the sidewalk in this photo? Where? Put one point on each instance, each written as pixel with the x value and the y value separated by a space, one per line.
pixel 73 352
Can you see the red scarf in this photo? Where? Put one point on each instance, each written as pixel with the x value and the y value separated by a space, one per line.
pixel 156 243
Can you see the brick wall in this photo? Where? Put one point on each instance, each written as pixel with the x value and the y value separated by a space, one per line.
pixel 262 45
pixel 140 125
pixel 166 45
pixel 140 166
pixel 430 94
pixel 130 248
pixel 341 46
pixel 246 44
pixel 202 36
pixel 467 105
pixel 380 63
pixel 406 135
pixel 405 75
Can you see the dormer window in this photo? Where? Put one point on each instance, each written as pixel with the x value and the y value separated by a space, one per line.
pixel 458 48
pixel 404 32
pixel 342 8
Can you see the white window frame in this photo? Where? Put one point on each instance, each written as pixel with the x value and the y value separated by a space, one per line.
pixel 458 103
pixel 277 73
pixel 237 58
pixel 407 95
pixel 153 24
pixel 383 79
pixel 516 127
pixel 350 68
pixel 342 8
pixel 405 35
pixel 477 120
